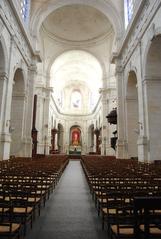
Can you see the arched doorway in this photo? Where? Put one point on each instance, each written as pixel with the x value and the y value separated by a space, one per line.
pixel 75 140
pixel 17 113
pixel 152 94
pixel 132 115
pixel 60 138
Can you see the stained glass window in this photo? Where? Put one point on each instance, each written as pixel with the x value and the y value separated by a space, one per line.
pixel 25 8
pixel 130 4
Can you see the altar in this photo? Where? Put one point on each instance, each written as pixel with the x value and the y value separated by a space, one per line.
pixel 75 149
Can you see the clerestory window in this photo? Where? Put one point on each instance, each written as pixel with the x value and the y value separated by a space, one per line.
pixel 25 10
pixel 128 11
pixel 76 100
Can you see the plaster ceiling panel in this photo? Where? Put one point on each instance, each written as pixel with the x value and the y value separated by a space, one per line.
pixel 77 23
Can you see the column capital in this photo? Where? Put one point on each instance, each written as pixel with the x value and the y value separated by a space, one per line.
pixel 103 90
pixel 33 68
pixel 119 69
pixel 114 57
pixel 3 76
pixel 142 140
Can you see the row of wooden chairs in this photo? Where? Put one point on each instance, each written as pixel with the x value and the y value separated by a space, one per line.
pixel 25 185
pixel 115 184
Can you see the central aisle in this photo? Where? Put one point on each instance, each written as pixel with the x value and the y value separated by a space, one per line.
pixel 70 211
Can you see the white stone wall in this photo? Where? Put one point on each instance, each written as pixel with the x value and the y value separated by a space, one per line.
pixel 133 57
pixel 17 55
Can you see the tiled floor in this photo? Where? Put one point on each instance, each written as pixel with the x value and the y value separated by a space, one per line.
pixel 70 211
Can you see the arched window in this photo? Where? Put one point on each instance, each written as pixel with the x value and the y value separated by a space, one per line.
pixel 128 10
pixel 91 100
pixel 25 10
pixel 60 98
pixel 76 100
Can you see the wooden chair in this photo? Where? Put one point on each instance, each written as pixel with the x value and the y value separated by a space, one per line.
pixel 33 199
pixel 8 229
pixel 109 208
pixel 123 227
pixel 22 212
pixel 147 211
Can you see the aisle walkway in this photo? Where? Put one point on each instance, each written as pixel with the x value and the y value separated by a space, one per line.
pixel 70 211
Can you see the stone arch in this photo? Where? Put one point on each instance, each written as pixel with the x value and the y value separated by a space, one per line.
pixel 152 35
pixel 52 60
pixel 17 113
pixel 82 60
pixel 132 114
pixel 152 97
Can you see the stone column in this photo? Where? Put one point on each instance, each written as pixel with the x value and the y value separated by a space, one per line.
pixel 56 141
pixel 121 150
pixel 5 124
pixel 34 130
pixel 97 133
pixel 90 139
pixel 6 96
pixel 94 146
pixel 32 70
pixel 105 134
pixel 53 137
pixel 61 140
pixel 142 141
pixel 3 84
pixel 46 133
pixel 66 138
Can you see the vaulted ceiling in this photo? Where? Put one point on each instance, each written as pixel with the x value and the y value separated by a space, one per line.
pixel 76 38
pixel 77 23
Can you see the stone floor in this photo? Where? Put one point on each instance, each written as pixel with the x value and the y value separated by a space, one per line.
pixel 70 211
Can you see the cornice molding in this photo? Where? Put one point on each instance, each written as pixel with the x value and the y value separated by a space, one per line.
pixel 93 41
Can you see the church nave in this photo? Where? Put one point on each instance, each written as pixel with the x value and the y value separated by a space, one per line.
pixel 70 212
